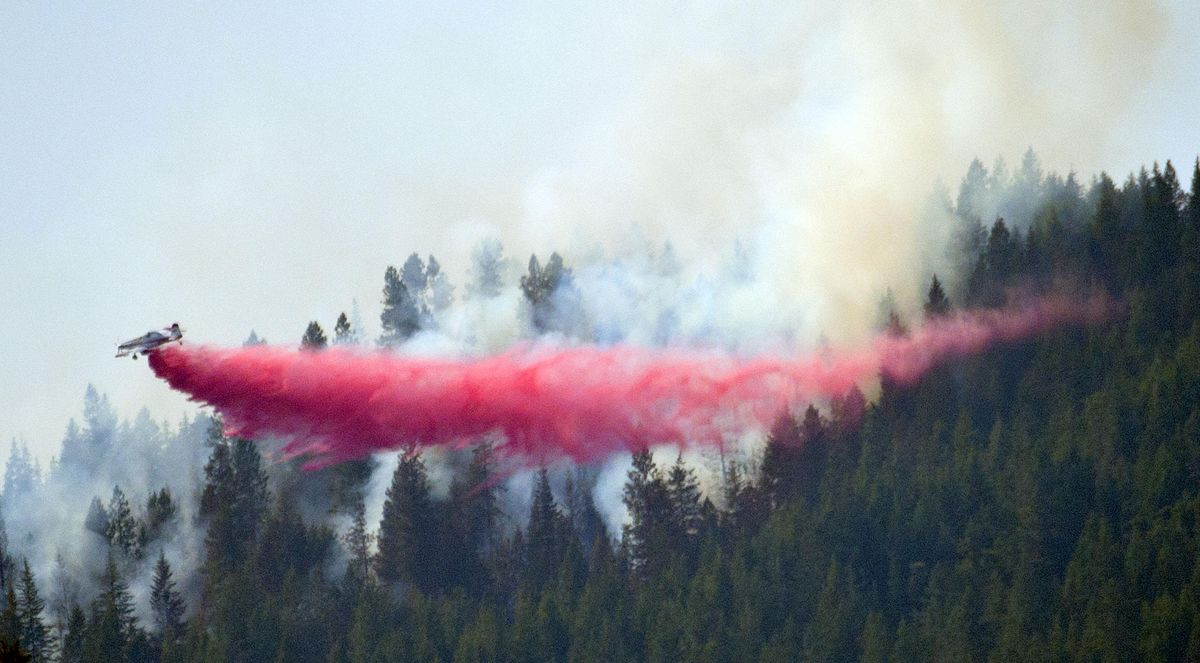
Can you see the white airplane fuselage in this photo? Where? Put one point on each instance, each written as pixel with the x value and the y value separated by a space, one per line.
pixel 150 341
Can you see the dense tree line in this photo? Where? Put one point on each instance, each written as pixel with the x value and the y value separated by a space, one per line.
pixel 1036 502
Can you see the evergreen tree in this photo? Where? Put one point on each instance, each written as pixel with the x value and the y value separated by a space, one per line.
pixel 650 533
pixel 112 630
pixel 546 290
pixel 20 474
pixel 8 571
pixel 582 514
pixel 357 541
pixel 936 304
pixel 401 317
pixel 97 518
pixel 480 500
pixel 34 634
pixel 234 500
pixel 122 530
pixel 166 604
pixel 544 536
pixel 314 337
pixel 487 270
pixel 684 491
pixel 781 471
pixel 160 514
pixel 441 292
pixel 342 333
pixel 407 532
pixel 414 277
pixel 73 636
pixel 65 590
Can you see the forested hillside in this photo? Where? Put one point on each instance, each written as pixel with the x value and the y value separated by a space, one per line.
pixel 1036 502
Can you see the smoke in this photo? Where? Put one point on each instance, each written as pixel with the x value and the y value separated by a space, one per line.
pixel 814 131
pixel 583 403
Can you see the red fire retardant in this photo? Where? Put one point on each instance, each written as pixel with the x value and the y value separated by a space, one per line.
pixel 548 402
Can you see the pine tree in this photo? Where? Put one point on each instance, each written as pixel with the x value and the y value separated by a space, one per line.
pixel 342 333
pixel 35 635
pixel 20 474
pixel 73 636
pixel 487 270
pixel 684 491
pixel 122 530
pixel 250 495
pixel 401 317
pixel 357 541
pixel 8 570
pixel 413 276
pixel 441 292
pixel 160 513
pixel 65 590
pixel 541 287
pixel 649 534
pixel 544 535
pixel 314 337
pixel 781 471
pixel 166 604
pixel 97 518
pixel 234 500
pixel 936 304
pixel 112 630
pixel 407 531
pixel 582 514
pixel 481 500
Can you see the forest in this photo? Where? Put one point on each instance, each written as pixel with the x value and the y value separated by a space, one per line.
pixel 1037 502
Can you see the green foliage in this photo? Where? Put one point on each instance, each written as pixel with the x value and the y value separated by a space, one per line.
pixel 314 337
pixel 1036 502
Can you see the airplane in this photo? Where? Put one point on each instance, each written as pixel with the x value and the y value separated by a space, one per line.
pixel 151 341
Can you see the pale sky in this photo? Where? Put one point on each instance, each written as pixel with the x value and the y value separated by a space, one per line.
pixel 237 168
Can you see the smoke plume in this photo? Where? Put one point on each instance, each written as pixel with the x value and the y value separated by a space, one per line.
pixel 583 402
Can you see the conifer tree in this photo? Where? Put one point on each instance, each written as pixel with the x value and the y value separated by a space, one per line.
pixel 544 535
pixel 648 536
pixel 97 518
pixel 401 316
pixel 487 270
pixel 441 292
pixel 73 636
pixel 342 333
pixel 35 635
pixel 936 304
pixel 414 277
pixel 166 604
pixel 684 491
pixel 357 541
pixel 407 531
pixel 160 513
pixel 549 290
pixel 582 514
pixel 111 630
pixel 249 495
pixel 20 474
pixel 480 499
pixel 781 460
pixel 122 530
pixel 314 337
pixel 8 571
pixel 234 500
pixel 253 340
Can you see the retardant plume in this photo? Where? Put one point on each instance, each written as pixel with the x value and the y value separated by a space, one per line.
pixel 581 402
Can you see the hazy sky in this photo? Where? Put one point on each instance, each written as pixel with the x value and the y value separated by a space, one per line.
pixel 240 168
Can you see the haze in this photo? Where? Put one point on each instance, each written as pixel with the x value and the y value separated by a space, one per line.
pixel 242 168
